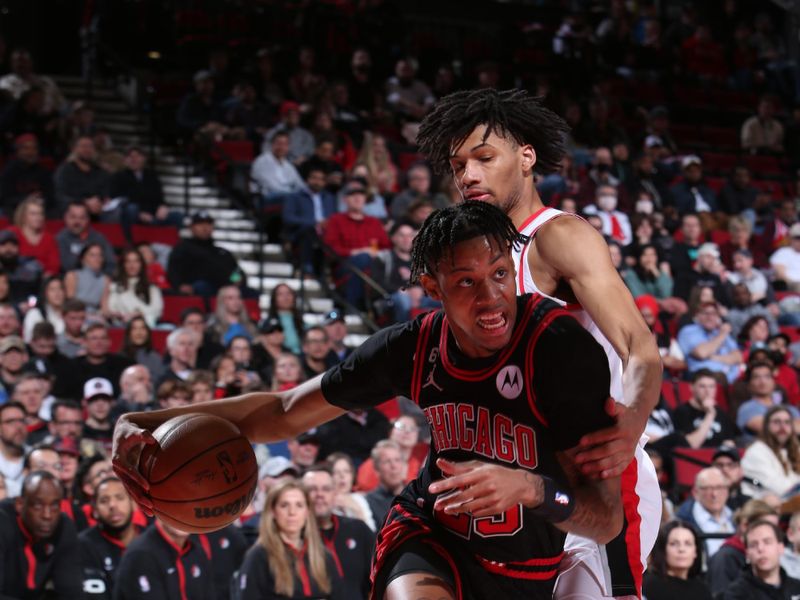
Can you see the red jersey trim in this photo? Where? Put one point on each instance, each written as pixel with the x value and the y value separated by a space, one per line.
pixel 549 318
pixel 531 218
pixel 633 537
pixel 499 362
pixel 507 570
pixel 66 508
pixel 419 358
pixel 30 581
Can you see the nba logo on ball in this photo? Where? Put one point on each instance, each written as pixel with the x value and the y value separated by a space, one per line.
pixel 509 382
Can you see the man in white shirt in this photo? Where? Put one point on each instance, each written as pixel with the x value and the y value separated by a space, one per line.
pixel 616 224
pixel 12 445
pixel 274 175
pixel 22 78
pixel 786 261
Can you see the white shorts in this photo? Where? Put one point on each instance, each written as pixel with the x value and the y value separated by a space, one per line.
pixel 590 570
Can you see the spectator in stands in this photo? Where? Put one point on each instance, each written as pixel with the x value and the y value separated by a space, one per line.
pixel 763 396
pixel 140 187
pixel 173 393
pixel 727 459
pixel 738 196
pixel 5 288
pixel 76 235
pixel 197 265
pixel 33 526
pixel 12 445
pixel 9 322
pixel 355 237
pixel 744 309
pixel 391 470
pixel 361 83
pixel 316 348
pixel 381 170
pixel 741 238
pixel 155 271
pixel 24 273
pixel 347 502
pixel 131 294
pixel 199 114
pixel 376 203
pixel 745 272
pixel 765 578
pixel 244 111
pixel 786 261
pixel 405 433
pixel 22 78
pixel 194 319
pixel 707 509
pixel 419 186
pixel 137 345
pixel 684 254
pixel 692 195
pixel 616 224
pixel 34 240
pixel 676 563
pixel 182 344
pixel 98 361
pixel 307 84
pixel 79 178
pixel 288 545
pixel 136 391
pixel 776 224
pixel 774 459
pixel 701 421
pixel 707 344
pixel 268 348
pixel 324 159
pixel 730 560
pixel 274 174
pixel 790 561
pixel 230 319
pixel 336 328
pixel 13 356
pixel 763 133
pixel 288 372
pixel 71 342
pixel 409 98
pixel 646 275
pixel 23 176
pixel 28 115
pixel 89 283
pixel 354 433
pixel 201 383
pixel 98 394
pixel 305 215
pixel 671 354
pixel 30 393
pixel 754 334
pixel 239 350
pixel 708 271
pixel 300 142
pixel 350 541
pixel 66 421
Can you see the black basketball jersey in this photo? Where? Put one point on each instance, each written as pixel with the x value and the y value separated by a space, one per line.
pixel 516 408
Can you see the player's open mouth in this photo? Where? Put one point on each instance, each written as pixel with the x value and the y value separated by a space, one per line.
pixel 492 321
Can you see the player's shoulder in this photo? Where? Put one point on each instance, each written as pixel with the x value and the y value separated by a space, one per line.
pixel 543 311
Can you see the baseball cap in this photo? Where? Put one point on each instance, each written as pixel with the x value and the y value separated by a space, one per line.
pixel 794 230
pixel 309 437
pixel 202 216
pixel 98 386
pixel 354 187
pixel 728 451
pixel 270 325
pixel 689 160
pixel 333 316
pixel 12 342
pixel 276 466
pixel 708 248
pixel 8 236
pixel 653 141
pixel 66 445
pixel 288 106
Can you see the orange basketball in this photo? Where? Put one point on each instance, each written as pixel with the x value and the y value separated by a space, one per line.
pixel 202 473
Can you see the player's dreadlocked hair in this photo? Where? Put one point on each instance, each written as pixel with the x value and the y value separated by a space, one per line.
pixel 447 227
pixel 513 114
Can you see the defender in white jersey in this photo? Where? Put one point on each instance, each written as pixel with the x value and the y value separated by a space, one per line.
pixel 494 143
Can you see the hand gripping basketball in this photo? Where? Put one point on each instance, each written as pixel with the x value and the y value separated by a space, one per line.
pixel 129 442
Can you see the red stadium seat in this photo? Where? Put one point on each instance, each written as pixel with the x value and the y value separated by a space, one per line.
pixel 791 331
pixel 4 223
pixel 112 232
pixel 155 234
pixel 686 471
pixel 237 151
pixel 717 161
pixel 719 236
pixel 715 183
pixel 253 310
pixel 159 339
pixel 406 159
pixel 675 392
pixel 763 165
pixel 175 305
pixel 117 336
pixel 53 226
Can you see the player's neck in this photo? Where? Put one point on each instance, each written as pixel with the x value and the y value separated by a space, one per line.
pixel 525 206
pixel 128 534
pixel 771 577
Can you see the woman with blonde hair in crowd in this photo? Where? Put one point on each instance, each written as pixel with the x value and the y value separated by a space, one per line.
pixel 381 170
pixel 230 317
pixel 34 240
pixel 290 547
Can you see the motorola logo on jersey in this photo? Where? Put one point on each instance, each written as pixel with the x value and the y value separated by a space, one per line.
pixel 509 382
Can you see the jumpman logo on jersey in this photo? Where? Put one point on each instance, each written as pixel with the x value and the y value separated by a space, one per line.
pixel 431 382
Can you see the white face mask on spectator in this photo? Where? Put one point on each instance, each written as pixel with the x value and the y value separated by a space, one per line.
pixel 607 202
pixel 644 206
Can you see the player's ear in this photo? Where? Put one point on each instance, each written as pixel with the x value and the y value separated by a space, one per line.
pixel 528 158
pixel 430 285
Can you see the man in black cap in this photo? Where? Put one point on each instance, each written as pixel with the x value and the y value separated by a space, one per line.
pixel 267 347
pixel 24 273
pixel 197 266
pixel 728 460
pixel 336 328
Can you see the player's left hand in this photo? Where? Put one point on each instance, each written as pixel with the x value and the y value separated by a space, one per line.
pixel 608 452
pixel 483 489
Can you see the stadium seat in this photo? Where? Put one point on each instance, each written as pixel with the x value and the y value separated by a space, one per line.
pixel 175 305
pixel 117 336
pixel 718 161
pixel 675 392
pixel 155 234
pixel 406 159
pixel 53 226
pixel 791 331
pixel 719 236
pixel 763 165
pixel 4 223
pixel 237 150
pixel 159 339
pixel 685 470
pixel 112 232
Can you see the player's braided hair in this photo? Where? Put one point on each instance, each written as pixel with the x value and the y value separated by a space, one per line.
pixel 447 227
pixel 513 114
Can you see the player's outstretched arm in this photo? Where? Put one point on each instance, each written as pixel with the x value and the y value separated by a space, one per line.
pixel 586 267
pixel 261 417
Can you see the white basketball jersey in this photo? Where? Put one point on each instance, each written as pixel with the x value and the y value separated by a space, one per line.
pixel 526 285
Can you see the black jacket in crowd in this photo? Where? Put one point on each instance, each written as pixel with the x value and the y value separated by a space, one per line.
pixel 143 190
pixel 749 587
pixel 195 260
pixel 351 544
pixel 226 548
pixel 100 557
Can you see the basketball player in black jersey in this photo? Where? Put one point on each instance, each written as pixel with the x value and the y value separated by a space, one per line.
pixel 518 383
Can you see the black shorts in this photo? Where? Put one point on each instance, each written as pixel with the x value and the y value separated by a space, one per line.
pixel 415 557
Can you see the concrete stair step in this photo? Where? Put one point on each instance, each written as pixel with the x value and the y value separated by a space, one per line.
pixel 180 179
pixel 272 252
pixel 198 189
pixel 195 202
pixel 271 269
pixel 266 284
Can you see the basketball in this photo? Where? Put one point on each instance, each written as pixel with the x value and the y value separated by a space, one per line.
pixel 202 472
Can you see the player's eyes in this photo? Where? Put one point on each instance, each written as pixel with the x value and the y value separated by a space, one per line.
pixel 500 273
pixel 457 167
pixel 485 158
pixel 466 282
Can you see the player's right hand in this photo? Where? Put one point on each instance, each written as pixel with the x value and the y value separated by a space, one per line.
pixel 129 441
